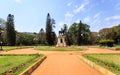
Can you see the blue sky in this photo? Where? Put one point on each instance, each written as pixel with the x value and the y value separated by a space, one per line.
pixel 30 15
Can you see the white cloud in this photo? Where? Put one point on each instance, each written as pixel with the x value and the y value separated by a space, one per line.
pixel 68 17
pixel 95 22
pixel 77 21
pixel 95 25
pixel 96 15
pixel 61 23
pixel 87 19
pixel 69 4
pixel 113 23
pixel 81 7
pixel 76 6
pixel 18 1
pixel 115 17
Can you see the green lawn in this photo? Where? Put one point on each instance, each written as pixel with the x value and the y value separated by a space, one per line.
pixel 117 46
pixel 109 61
pixel 52 48
pixel 8 62
pixel 15 47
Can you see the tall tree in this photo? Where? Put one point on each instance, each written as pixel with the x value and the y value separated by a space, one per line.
pixel 72 32
pixel 10 30
pixel 79 35
pixel 49 30
pixel 116 30
pixel 85 33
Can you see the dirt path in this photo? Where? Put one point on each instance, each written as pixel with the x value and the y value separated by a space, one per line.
pixel 32 51
pixel 100 50
pixel 64 64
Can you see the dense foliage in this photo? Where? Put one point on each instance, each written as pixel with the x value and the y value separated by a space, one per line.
pixel 108 43
pixel 26 38
pixel 42 37
pixel 112 33
pixel 79 33
pixel 10 30
pixel 50 34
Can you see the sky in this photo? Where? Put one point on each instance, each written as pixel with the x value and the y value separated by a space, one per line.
pixel 30 15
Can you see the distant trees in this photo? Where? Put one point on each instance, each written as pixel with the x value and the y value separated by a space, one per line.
pixel 50 34
pixel 11 37
pixel 23 38
pixel 10 30
pixel 42 36
pixel 109 36
pixel 116 34
pixel 93 38
pixel 76 34
pixel 106 33
pixel 112 33
pixel 79 33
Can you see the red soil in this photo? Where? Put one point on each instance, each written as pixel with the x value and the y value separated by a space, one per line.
pixel 62 62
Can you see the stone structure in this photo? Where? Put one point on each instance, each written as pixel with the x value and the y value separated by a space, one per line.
pixel 61 41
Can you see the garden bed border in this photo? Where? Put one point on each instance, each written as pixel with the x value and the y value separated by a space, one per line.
pixel 30 69
pixel 96 67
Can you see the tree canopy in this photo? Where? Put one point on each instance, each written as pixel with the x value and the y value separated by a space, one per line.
pixel 79 33
pixel 50 34
pixel 10 30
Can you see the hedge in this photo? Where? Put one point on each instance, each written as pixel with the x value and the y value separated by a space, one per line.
pixel 108 43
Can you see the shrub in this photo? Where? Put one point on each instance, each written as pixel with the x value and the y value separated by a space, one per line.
pixel 108 43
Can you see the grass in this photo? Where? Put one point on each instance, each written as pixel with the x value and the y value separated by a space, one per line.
pixel 8 62
pixel 69 48
pixel 117 46
pixel 109 61
pixel 15 47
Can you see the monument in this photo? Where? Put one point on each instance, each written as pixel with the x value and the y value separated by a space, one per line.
pixel 61 39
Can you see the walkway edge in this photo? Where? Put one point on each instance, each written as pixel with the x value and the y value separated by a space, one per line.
pixel 96 67
pixel 29 70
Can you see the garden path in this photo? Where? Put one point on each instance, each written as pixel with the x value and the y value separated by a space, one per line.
pixel 62 62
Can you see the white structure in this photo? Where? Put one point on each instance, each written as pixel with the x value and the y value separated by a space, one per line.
pixel 61 41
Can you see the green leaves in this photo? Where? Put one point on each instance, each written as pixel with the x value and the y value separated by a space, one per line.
pixel 50 34
pixel 10 30
pixel 79 33
pixel 108 43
